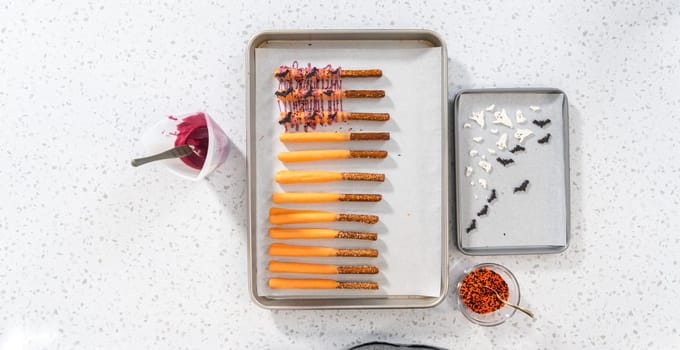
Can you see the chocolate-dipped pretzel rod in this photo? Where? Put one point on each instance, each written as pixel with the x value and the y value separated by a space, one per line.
pixel 313 176
pixel 293 94
pixel 315 283
pixel 308 156
pixel 325 117
pixel 312 119
pixel 321 197
pixel 282 216
pixel 325 269
pixel 333 136
pixel 280 249
pixel 288 73
pixel 319 233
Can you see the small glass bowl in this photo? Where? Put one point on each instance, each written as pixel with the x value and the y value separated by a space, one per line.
pixel 496 317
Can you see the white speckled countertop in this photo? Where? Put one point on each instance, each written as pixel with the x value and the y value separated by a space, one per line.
pixel 97 255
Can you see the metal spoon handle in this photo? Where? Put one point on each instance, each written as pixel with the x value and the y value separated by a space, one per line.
pixel 526 311
pixel 177 152
pixel 517 307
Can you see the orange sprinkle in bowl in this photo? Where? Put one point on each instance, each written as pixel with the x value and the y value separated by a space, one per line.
pixel 479 304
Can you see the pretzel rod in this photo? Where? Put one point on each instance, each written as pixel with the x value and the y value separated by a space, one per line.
pixel 333 136
pixel 282 216
pixel 363 93
pixel 293 176
pixel 285 73
pixel 361 73
pixel 319 233
pixel 315 283
pixel 280 249
pixel 380 117
pixel 320 197
pixel 309 156
pixel 292 94
pixel 325 269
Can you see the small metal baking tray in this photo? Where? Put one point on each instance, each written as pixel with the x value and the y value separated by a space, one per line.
pixel 416 189
pixel 521 205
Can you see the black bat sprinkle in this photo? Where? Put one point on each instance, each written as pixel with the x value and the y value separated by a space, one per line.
pixel 472 227
pixel 282 73
pixel 517 149
pixel 484 210
pixel 542 123
pixel 544 139
pixel 286 119
pixel 522 187
pixel 309 93
pixel 284 93
pixel 492 197
pixel 311 73
pixel 505 161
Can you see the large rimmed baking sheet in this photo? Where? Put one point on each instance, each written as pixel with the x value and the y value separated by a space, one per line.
pixel 413 210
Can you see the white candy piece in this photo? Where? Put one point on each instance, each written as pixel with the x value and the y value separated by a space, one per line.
pixel 522 134
pixel 483 157
pixel 473 153
pixel 535 108
pixel 476 196
pixel 478 139
pixel 483 183
pixel 519 117
pixel 494 131
pixel 491 150
pixel 467 125
pixel 479 118
pixel 484 165
pixel 502 118
pixel 490 108
pixel 468 171
pixel 472 183
pixel 502 142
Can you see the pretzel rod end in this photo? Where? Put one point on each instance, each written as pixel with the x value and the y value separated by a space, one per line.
pixel 356 270
pixel 363 93
pixel 361 73
pixel 345 197
pixel 357 285
pixel 368 154
pixel 365 219
pixel 370 236
pixel 378 117
pixel 366 253
pixel 363 177
pixel 369 136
